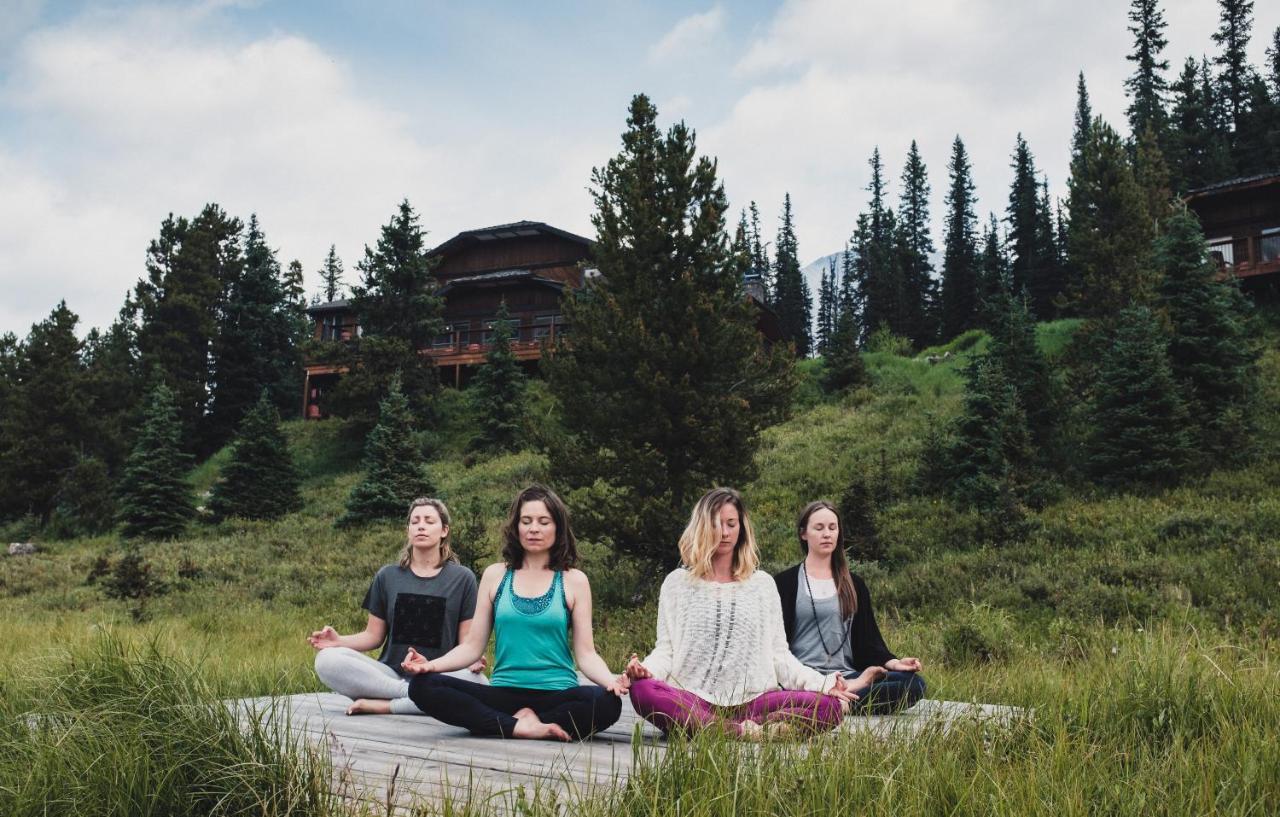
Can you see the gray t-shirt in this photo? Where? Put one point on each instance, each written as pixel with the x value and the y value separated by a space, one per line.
pixel 807 645
pixel 421 613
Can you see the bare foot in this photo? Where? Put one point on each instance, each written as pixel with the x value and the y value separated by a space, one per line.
pixel 530 727
pixel 750 730
pixel 369 706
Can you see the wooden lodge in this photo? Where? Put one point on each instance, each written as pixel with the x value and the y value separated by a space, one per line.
pixel 1241 221
pixel 528 264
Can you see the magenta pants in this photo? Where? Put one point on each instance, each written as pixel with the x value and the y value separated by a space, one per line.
pixel 669 708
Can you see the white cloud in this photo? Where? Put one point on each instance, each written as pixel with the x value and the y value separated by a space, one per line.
pixel 146 113
pixel 688 33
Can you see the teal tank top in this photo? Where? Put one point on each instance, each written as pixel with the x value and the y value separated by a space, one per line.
pixel 532 638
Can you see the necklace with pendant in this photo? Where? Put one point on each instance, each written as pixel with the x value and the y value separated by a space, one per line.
pixel 846 626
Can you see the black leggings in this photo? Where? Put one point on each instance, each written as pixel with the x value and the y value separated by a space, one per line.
pixel 487 710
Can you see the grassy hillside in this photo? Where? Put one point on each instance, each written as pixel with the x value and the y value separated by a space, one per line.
pixel 1142 628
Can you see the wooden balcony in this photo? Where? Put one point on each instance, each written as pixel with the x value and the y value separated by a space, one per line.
pixel 472 347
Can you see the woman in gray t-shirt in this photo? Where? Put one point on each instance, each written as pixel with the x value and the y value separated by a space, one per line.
pixel 425 601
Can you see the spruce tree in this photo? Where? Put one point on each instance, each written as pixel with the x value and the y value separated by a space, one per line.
pixel 1273 66
pixel 331 274
pixel 919 288
pixel 1138 423
pixel 760 257
pixel 1083 120
pixel 255 347
pixel 85 504
pixel 1151 172
pixel 189 266
pixel 498 391
pixel 115 387
pixel 1013 347
pixel 879 253
pixel 394 469
pixel 1211 351
pixel 1109 239
pixel 154 498
pixel 827 309
pixel 1147 86
pixel 47 417
pixel 842 365
pixel 399 313
pixel 1256 146
pixel 989 448
pixel 994 276
pixel 260 480
pixel 792 300
pixel 960 253
pixel 1193 138
pixel 1032 254
pixel 1235 23
pixel 665 384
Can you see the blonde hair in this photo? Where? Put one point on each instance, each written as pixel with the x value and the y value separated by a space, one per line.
pixel 702 535
pixel 446 552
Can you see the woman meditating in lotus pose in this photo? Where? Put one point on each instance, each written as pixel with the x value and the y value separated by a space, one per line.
pixel 721 654
pixel 830 626
pixel 423 602
pixel 536 603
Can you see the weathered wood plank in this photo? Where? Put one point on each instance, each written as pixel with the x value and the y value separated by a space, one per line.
pixel 414 758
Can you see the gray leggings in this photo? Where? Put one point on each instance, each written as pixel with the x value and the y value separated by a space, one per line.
pixel 356 675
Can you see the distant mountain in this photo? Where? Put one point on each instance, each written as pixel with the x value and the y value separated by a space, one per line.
pixel 812 272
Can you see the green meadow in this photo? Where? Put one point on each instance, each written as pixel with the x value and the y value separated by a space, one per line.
pixel 1140 629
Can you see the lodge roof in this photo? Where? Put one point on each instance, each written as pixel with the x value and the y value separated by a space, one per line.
pixel 330 306
pixel 498 278
pixel 498 232
pixel 1240 183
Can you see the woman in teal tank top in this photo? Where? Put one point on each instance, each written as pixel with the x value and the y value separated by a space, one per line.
pixel 539 609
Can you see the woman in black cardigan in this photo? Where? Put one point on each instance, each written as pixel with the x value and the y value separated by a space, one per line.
pixel 829 623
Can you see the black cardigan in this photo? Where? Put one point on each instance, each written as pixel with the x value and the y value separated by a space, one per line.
pixel 865 639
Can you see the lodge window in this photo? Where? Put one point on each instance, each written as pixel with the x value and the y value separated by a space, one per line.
pixel 542 325
pixel 1269 245
pixel 1221 251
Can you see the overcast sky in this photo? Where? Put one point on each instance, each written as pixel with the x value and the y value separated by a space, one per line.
pixel 321 116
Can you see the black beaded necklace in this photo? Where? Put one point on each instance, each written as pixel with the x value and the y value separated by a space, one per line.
pixel 818 623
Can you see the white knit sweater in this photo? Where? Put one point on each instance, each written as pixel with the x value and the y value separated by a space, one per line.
pixel 724 642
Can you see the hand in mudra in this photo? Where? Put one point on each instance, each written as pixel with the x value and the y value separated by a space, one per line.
pixel 326 636
pixel 635 670
pixel 903 665
pixel 415 663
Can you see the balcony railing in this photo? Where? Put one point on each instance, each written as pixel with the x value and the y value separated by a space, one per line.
pixel 524 336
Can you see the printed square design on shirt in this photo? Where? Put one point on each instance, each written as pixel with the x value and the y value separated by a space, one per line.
pixel 419 620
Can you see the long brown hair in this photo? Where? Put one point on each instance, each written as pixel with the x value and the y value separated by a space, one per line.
pixel 700 537
pixel 446 552
pixel 839 562
pixel 564 551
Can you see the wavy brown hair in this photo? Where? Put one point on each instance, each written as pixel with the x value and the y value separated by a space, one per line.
pixel 839 562
pixel 446 552
pixel 702 534
pixel 564 551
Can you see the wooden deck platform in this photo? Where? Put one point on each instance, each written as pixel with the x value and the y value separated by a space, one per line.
pixel 395 760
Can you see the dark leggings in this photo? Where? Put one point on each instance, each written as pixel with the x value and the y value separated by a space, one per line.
pixel 892 693
pixel 487 710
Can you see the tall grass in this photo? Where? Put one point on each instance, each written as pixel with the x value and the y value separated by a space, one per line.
pixel 119 730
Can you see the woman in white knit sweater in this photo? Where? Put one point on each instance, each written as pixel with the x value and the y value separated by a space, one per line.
pixel 721 655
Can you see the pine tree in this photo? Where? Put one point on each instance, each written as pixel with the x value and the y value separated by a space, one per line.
pixel 919 288
pixel 1138 421
pixel 260 480
pixel 331 274
pixel 1032 254
pixel 1211 350
pixel 188 268
pixel 1013 347
pixel 1235 23
pixel 498 391
pixel 994 276
pixel 989 447
pixel 960 254
pixel 1110 232
pixel 1151 173
pixel 826 309
pixel 1147 86
pixel 46 416
pixel 760 257
pixel 666 384
pixel 394 469
pixel 399 313
pixel 154 498
pixel 792 300
pixel 842 365
pixel 255 347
